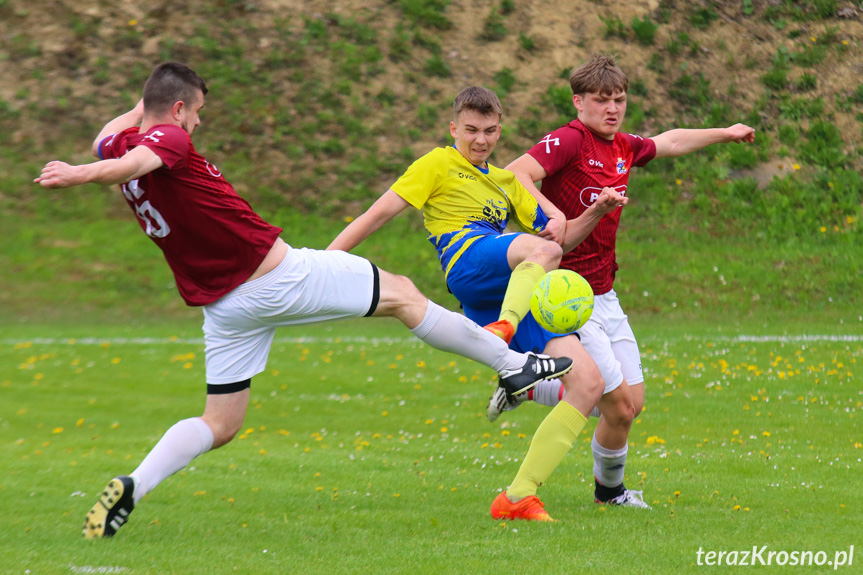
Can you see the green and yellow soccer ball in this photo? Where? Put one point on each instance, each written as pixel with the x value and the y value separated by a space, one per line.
pixel 562 301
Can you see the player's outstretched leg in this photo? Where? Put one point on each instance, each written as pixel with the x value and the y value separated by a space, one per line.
pixel 452 332
pixel 112 510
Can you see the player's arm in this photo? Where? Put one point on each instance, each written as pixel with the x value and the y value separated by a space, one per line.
pixel 579 228
pixel 383 210
pixel 131 118
pixel 138 162
pixel 528 171
pixel 680 142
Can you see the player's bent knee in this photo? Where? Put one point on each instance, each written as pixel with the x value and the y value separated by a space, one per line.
pixel 398 291
pixel 552 250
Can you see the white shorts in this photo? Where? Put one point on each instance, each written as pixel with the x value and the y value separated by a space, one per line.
pixel 609 340
pixel 309 286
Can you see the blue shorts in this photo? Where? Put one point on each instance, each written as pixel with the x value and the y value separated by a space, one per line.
pixel 479 279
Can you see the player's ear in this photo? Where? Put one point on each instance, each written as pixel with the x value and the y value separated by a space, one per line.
pixel 577 102
pixel 452 129
pixel 176 109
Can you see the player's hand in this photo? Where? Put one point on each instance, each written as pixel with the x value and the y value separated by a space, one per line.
pixel 57 175
pixel 609 200
pixel 740 133
pixel 555 229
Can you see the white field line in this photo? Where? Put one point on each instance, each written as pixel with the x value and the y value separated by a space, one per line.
pixel 853 338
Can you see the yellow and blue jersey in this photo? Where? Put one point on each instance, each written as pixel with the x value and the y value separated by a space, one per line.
pixel 462 202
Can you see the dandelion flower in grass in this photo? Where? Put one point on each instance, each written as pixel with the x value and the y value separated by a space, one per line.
pixel 737 508
pixel 765 433
pixel 796 166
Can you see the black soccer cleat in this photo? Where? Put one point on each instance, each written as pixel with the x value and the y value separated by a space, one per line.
pixel 112 510
pixel 538 367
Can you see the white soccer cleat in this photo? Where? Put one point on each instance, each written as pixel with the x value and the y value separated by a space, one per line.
pixel 499 403
pixel 628 498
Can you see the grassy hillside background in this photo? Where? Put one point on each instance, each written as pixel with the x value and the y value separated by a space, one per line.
pixel 315 107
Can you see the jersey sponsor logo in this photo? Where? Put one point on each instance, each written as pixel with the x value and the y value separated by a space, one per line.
pixel 596 163
pixel 621 166
pixel 467 177
pixel 495 212
pixel 548 140
pixel 154 136
pixel 213 170
pixel 589 195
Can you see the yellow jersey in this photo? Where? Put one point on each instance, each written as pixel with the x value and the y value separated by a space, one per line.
pixel 462 202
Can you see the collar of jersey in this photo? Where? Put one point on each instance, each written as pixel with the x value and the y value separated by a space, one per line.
pixel 483 170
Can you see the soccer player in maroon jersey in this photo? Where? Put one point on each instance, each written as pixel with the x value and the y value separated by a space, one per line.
pixel 584 168
pixel 248 281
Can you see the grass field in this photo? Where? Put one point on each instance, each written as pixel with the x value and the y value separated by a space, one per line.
pixel 364 451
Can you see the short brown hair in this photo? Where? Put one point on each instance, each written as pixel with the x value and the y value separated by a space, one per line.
pixel 599 75
pixel 171 82
pixel 481 100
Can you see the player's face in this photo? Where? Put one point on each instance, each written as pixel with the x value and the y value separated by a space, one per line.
pixel 189 118
pixel 602 113
pixel 475 135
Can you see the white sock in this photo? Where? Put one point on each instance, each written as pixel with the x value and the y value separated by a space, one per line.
pixel 549 392
pixel 449 331
pixel 186 440
pixel 608 464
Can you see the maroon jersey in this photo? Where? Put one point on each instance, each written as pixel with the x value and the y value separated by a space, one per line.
pixel 212 239
pixel 579 164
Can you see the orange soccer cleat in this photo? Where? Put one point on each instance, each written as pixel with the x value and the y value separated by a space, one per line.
pixel 502 329
pixel 529 508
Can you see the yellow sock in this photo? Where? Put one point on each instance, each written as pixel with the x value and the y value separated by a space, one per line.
pixel 551 442
pixel 516 301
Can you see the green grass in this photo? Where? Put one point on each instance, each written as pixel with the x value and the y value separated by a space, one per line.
pixel 365 451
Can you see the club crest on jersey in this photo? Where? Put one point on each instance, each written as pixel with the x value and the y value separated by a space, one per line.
pixel 621 166
pixel 214 171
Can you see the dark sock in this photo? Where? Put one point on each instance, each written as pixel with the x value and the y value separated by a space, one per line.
pixel 603 493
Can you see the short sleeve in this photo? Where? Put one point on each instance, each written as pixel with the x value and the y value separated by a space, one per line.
pixel 558 149
pixel 109 147
pixel 421 179
pixel 171 143
pixel 643 149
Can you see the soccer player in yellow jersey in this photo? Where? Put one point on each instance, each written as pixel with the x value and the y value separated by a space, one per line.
pixel 466 205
